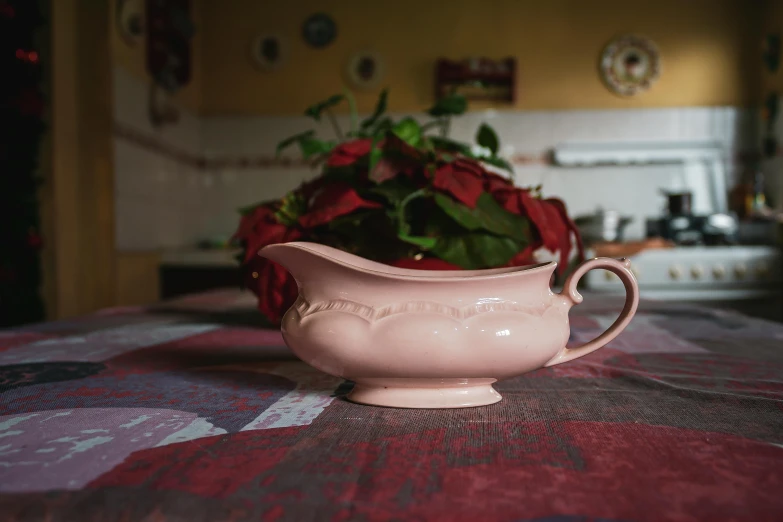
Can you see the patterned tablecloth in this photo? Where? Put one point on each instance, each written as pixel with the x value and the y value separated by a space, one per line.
pixel 186 411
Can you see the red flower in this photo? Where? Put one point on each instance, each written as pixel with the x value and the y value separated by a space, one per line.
pixel 398 158
pixel 565 239
pixel 258 229
pixel 462 179
pixel 275 288
pixel 349 152
pixel 494 183
pixel 335 200
pixel 550 219
pixel 525 257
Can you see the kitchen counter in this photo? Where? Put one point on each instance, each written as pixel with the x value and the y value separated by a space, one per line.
pixel 200 257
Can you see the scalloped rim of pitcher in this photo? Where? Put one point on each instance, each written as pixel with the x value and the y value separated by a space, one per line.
pixel 426 275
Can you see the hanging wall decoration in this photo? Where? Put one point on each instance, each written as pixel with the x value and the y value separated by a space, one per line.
pixel 477 78
pixel 365 70
pixel 170 32
pixel 630 65
pixel 319 30
pixel 268 51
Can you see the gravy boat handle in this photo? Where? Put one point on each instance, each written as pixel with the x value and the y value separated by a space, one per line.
pixel 621 267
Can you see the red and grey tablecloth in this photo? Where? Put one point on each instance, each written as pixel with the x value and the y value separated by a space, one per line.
pixel 188 411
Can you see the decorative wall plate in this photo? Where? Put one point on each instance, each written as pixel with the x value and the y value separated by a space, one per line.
pixel 268 51
pixel 319 30
pixel 630 65
pixel 365 69
pixel 130 20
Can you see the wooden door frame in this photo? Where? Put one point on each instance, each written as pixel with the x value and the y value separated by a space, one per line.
pixel 77 196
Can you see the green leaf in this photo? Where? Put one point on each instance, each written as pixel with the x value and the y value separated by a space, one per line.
pixel 445 144
pixel 292 206
pixel 474 251
pixel 427 243
pixel 294 139
pixel 312 147
pixel 350 222
pixel 451 105
pixel 488 138
pixel 394 190
pixel 487 215
pixel 375 154
pixel 497 162
pixel 314 111
pixel 380 108
pixel 409 131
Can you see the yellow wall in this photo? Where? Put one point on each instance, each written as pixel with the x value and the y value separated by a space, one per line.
pixel 133 58
pixel 710 50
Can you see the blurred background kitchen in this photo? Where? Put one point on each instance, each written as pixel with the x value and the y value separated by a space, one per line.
pixel 655 121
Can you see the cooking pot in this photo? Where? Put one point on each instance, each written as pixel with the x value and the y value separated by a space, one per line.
pixel 603 226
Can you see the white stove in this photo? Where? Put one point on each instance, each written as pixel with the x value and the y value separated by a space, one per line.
pixel 701 273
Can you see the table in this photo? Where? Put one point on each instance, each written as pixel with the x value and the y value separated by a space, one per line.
pixel 188 411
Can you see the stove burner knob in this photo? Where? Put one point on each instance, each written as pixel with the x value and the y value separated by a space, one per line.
pixel 697 271
pixel 762 270
pixel 740 270
pixel 718 272
pixel 675 272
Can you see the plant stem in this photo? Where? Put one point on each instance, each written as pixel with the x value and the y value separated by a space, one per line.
pixel 335 126
pixel 402 226
pixel 354 112
pixel 445 127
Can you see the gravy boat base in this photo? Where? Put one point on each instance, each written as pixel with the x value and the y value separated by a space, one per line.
pixel 430 393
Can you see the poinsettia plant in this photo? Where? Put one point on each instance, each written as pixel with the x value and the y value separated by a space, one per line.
pixel 402 193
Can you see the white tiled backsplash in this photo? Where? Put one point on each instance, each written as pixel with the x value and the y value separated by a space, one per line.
pixel 185 182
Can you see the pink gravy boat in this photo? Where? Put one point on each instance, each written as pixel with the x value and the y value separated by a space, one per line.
pixel 432 339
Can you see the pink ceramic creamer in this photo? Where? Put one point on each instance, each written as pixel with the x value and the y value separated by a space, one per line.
pixel 432 339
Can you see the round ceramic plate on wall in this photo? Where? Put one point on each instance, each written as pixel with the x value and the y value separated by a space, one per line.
pixel 130 20
pixel 268 51
pixel 365 70
pixel 630 65
pixel 319 30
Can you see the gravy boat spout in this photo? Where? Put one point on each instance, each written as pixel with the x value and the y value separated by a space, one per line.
pixel 431 339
